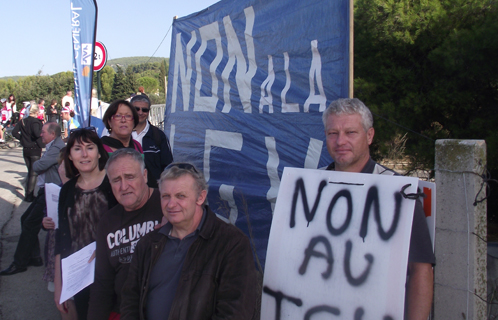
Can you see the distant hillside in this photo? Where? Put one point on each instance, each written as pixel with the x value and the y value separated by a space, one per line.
pixel 15 78
pixel 125 62
pixel 122 62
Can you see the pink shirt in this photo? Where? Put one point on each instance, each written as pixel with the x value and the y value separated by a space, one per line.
pixel 41 111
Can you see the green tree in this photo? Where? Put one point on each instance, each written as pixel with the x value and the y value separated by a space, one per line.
pixel 131 80
pixel 150 84
pixel 120 88
pixel 107 75
pixel 429 66
pixel 411 66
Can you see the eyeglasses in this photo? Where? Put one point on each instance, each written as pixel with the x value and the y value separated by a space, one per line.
pixel 144 110
pixel 86 128
pixel 127 117
pixel 182 165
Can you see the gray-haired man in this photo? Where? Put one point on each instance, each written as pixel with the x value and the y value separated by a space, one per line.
pixel 155 144
pixel 196 266
pixel 119 230
pixel 349 132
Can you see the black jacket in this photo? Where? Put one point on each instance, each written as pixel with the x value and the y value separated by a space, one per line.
pixel 157 154
pixel 218 277
pixel 28 131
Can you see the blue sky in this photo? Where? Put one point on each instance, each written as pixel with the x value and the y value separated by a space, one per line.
pixel 36 35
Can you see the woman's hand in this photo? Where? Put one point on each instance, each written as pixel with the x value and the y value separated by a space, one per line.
pixel 48 223
pixel 58 286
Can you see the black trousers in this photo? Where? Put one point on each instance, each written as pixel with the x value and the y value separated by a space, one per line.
pixel 81 301
pixel 31 180
pixel 31 222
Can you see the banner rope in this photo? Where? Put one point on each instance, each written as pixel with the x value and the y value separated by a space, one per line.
pixel 167 32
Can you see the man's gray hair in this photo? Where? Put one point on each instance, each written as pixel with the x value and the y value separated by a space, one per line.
pixel 125 152
pixel 349 106
pixel 179 169
pixel 54 127
pixel 141 98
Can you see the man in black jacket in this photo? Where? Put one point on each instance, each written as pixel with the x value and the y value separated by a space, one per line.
pixel 196 266
pixel 155 144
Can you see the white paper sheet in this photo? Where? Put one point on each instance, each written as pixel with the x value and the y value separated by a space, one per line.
pixel 52 198
pixel 77 273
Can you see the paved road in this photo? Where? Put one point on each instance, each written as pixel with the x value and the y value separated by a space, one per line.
pixel 24 295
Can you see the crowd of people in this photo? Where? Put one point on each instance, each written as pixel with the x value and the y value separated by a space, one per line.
pixel 11 116
pixel 161 253
pixel 9 109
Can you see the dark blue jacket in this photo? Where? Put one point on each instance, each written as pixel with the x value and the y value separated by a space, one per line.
pixel 157 154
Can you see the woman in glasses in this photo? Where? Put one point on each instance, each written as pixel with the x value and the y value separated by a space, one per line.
pixel 120 119
pixel 82 202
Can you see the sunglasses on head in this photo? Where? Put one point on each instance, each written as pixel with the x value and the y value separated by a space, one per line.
pixel 182 165
pixel 144 110
pixel 86 128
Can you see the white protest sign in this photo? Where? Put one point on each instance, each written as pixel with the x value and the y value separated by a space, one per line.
pixel 338 246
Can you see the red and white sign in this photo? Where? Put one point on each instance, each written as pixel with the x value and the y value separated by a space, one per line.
pixel 100 57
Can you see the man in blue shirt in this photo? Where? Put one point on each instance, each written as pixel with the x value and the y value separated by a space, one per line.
pixel 196 266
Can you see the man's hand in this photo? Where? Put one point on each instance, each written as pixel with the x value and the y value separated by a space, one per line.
pixel 419 291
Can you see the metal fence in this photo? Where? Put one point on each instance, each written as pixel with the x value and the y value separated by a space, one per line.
pixel 156 115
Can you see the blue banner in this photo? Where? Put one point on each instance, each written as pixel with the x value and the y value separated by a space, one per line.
pixel 248 82
pixel 84 26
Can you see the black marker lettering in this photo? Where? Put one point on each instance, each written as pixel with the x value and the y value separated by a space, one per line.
pixel 279 296
pixel 301 189
pixel 373 198
pixel 310 252
pixel 358 314
pixel 347 266
pixel 323 308
pixel 346 194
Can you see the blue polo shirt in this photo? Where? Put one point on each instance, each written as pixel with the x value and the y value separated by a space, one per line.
pixel 167 271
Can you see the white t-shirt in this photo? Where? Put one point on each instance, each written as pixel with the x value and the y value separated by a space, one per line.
pixel 139 136
pixel 70 100
pixel 12 106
